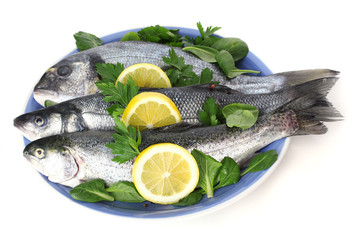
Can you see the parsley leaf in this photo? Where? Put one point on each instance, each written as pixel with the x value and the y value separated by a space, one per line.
pixel 109 72
pixel 121 93
pixel 181 74
pixel 126 142
pixel 211 113
pixel 127 139
pixel 205 38
pixel 160 34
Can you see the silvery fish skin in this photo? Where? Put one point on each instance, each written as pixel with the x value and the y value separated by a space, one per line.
pixel 89 112
pixel 72 158
pixel 75 75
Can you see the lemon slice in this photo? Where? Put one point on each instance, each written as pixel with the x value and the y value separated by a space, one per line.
pixel 150 110
pixel 164 173
pixel 145 75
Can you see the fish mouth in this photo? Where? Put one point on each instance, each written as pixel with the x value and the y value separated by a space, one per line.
pixel 41 95
pixel 18 123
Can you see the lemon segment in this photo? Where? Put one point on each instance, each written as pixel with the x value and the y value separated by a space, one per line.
pixel 149 110
pixel 145 75
pixel 164 173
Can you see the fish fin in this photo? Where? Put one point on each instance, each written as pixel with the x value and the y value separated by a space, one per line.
pixel 298 77
pixel 309 94
pixel 311 120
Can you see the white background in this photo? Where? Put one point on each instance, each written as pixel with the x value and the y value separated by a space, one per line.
pixel 314 192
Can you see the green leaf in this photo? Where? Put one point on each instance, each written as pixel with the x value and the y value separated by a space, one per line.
pixel 191 199
pixel 211 113
pixel 115 110
pixel 125 192
pixel 126 142
pixel 240 115
pixel 86 40
pixel 92 191
pixel 235 46
pixel 229 173
pixel 160 34
pixel 206 76
pixel 225 61
pixel 227 64
pixel 174 60
pixel 130 36
pixel 181 74
pixel 208 170
pixel 261 162
pixel 205 38
pixel 109 72
pixel 49 103
pixel 205 53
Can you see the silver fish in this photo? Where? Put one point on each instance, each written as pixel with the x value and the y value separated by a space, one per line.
pixel 89 112
pixel 73 158
pixel 75 75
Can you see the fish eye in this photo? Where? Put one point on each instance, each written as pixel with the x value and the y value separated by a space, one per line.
pixel 39 153
pixel 63 70
pixel 39 121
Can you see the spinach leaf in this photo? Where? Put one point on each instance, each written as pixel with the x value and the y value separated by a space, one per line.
pixel 229 173
pixel 191 199
pixel 49 103
pixel 125 192
pixel 227 64
pixel 130 36
pixel 261 162
pixel 208 170
pixel 86 40
pixel 235 46
pixel 92 191
pixel 240 115
pixel 205 53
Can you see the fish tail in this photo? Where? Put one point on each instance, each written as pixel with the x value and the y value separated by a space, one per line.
pixel 309 94
pixel 298 77
pixel 311 120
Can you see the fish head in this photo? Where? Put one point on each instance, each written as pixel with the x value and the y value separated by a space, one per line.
pixel 52 159
pixel 72 77
pixel 38 124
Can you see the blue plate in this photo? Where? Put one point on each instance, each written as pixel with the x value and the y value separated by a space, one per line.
pixel 222 197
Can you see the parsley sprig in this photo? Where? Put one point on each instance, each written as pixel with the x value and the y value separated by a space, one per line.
pixel 181 74
pixel 126 139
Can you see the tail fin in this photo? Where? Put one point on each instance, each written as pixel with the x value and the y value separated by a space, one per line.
pixel 309 95
pixel 311 120
pixel 298 77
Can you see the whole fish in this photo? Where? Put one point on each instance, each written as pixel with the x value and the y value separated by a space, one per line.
pixel 75 75
pixel 89 112
pixel 72 158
